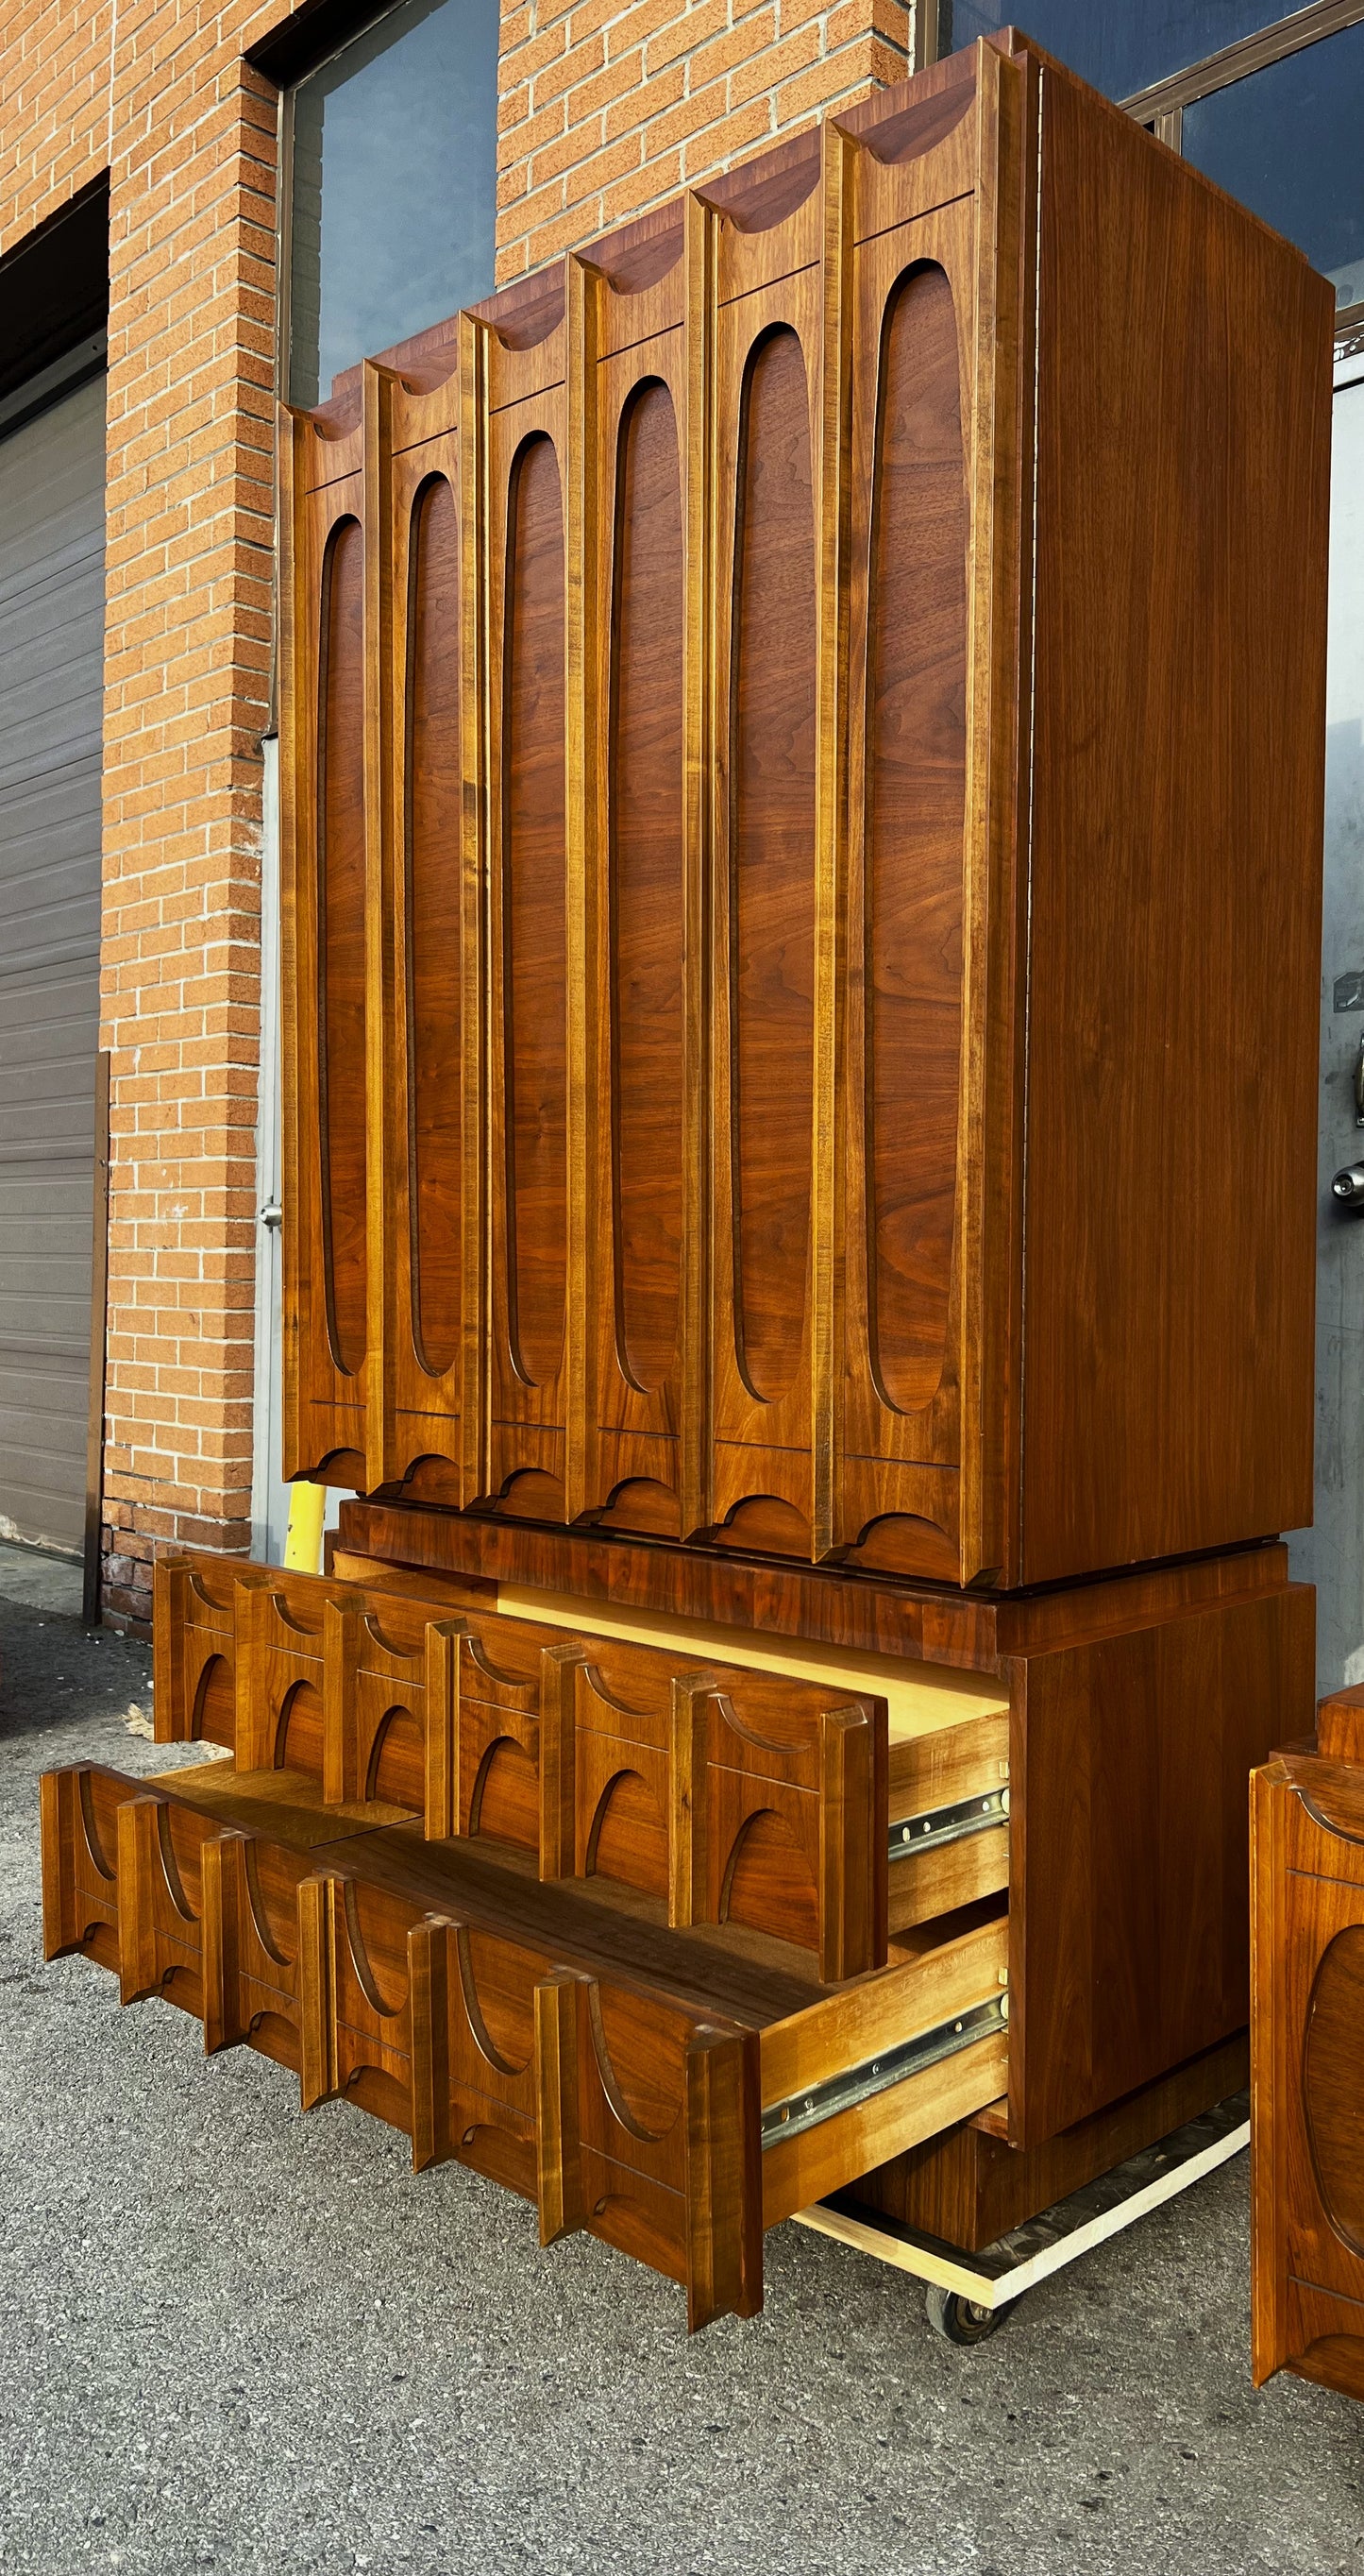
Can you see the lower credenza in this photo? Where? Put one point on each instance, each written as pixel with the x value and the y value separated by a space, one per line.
pixel 675 1894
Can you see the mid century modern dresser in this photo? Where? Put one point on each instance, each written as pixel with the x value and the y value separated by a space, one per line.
pixel 802 742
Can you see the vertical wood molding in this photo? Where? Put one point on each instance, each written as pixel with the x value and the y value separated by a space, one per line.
pixel 698 492
pixel 385 1027
pixel 827 1214
pixel 585 753
pixel 475 715
pixel 998 772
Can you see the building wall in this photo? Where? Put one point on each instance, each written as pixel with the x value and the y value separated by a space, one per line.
pixel 606 109
pixel 159 95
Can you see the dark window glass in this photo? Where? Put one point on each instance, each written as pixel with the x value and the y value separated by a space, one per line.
pixel 1288 142
pixel 394 186
pixel 1120 45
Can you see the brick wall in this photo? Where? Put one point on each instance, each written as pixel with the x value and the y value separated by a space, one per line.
pixel 606 109
pixel 187 690
pixel 159 95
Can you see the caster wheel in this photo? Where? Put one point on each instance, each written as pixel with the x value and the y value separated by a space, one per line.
pixel 960 2320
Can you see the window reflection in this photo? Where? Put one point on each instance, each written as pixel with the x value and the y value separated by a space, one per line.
pixel 394 186
pixel 1287 142
pixel 1121 46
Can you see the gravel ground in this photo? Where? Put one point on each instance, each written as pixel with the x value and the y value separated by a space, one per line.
pixel 242 2340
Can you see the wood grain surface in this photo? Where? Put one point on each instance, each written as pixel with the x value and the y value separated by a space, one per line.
pixel 1174 876
pixel 647 890
pixel 536 1058
pixel 970 2187
pixel 916 794
pixel 341 940
pixel 1307 2212
pixel 772 880
pixel 434 946
pixel 840 608
pixel 1128 1886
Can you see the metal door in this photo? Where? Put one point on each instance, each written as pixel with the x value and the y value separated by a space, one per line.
pixel 51 686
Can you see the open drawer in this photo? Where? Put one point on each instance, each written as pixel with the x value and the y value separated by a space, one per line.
pixel 822 1800
pixel 674 2091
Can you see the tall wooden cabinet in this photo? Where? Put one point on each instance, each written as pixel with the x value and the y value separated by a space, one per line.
pixel 822 877
pixel 802 738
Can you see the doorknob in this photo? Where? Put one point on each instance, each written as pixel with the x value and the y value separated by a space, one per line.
pixel 1347 1189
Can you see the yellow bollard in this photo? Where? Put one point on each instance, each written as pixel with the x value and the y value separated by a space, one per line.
pixel 303 1545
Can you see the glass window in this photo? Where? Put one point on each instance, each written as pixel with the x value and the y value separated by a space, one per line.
pixel 394 186
pixel 1121 46
pixel 1286 141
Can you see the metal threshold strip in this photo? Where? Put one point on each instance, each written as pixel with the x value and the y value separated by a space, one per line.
pixel 856 2084
pixel 938 1825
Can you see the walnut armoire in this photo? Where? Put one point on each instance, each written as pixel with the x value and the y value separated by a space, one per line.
pixel 802 739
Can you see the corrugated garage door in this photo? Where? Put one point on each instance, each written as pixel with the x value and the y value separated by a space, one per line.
pixel 51 663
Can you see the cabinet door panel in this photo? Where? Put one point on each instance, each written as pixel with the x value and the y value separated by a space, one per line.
pixel 914 1013
pixel 431 875
pixel 535 1136
pixel 324 923
pixel 643 789
pixel 772 863
pixel 766 700
pixel 528 1162
pixel 428 1184
pixel 341 940
pixel 916 799
pixel 646 887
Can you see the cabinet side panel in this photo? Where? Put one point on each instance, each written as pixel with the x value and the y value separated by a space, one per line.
pixel 1129 1883
pixel 1182 454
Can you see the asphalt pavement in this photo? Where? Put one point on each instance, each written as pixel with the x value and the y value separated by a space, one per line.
pixel 235 2337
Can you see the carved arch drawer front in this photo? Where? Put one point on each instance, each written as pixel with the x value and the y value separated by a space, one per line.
pixel 674 2092
pixel 824 1811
